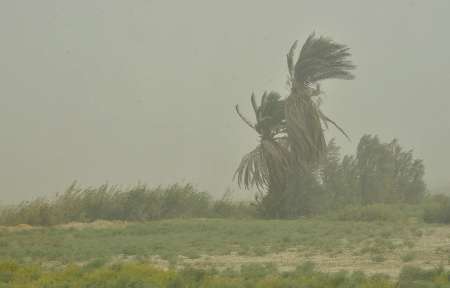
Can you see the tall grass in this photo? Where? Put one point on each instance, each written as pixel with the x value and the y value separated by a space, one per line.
pixel 138 203
pixel 141 203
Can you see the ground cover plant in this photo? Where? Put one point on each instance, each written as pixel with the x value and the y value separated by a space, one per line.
pixel 141 274
pixel 374 246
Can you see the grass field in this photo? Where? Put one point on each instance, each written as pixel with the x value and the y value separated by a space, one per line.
pixel 224 244
pixel 144 275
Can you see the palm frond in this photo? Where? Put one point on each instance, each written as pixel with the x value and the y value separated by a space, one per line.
pixel 290 59
pixel 304 129
pixel 326 119
pixel 254 105
pixel 250 124
pixel 266 164
pixel 277 155
pixel 252 170
pixel 271 113
pixel 321 58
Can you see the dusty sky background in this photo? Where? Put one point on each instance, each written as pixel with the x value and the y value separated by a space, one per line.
pixel 128 91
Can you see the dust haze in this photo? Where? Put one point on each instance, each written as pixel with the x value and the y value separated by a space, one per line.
pixel 144 91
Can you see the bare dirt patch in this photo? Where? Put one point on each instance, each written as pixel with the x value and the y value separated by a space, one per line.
pixel 98 224
pixel 19 227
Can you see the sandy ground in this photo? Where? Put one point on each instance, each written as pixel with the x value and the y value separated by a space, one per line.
pixel 432 250
pixel 98 224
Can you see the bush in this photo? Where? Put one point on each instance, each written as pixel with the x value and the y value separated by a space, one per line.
pixel 138 203
pixel 227 208
pixel 416 277
pixel 437 209
pixel 377 212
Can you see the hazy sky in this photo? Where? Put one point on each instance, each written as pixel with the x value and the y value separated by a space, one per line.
pixel 128 91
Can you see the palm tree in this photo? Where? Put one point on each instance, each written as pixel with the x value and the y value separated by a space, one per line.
pixel 291 130
pixel 267 165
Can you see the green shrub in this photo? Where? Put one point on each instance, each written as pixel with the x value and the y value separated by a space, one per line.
pixel 413 277
pixel 376 212
pixel 227 208
pixel 408 257
pixel 255 270
pixel 437 209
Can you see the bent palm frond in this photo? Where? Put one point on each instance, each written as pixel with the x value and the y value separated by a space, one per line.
pixel 305 133
pixel 253 171
pixel 243 118
pixel 321 58
pixel 326 120
pixel 266 164
pixel 290 60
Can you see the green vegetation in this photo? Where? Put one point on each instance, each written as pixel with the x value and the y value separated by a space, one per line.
pixel 195 237
pixel 378 174
pixel 416 277
pixel 387 174
pixel 262 249
pixel 437 209
pixel 379 212
pixel 296 171
pixel 141 203
pixel 142 275
pixel 381 182
pixel 137 203
pixel 409 256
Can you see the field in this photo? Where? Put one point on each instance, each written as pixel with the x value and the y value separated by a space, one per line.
pixel 227 244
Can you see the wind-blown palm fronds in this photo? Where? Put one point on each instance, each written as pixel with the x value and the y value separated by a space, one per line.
pixel 291 129
pixel 268 163
pixel 320 59
pixel 304 130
